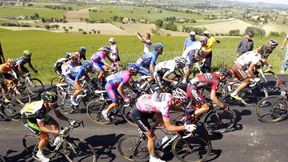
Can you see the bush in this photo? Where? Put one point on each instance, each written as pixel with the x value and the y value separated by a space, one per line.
pixel 274 34
pixel 234 32
pixel 170 26
pixel 48 27
pixel 257 31
pixel 159 23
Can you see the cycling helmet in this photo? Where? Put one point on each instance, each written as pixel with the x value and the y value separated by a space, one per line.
pixel 27 53
pixel 273 43
pixel 226 72
pixel 203 39
pixel 49 96
pixel 105 48
pixel 180 61
pixel 133 68
pixel 87 64
pixel 68 55
pixel 11 62
pixel 180 95
pixel 158 46
pixel 75 56
pixel 82 49
pixel 265 51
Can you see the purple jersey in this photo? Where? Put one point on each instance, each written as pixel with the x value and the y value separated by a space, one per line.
pixel 120 77
pixel 98 57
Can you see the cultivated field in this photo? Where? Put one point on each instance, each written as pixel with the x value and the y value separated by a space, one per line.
pixel 47 47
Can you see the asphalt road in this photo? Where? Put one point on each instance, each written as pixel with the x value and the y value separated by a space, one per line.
pixel 252 142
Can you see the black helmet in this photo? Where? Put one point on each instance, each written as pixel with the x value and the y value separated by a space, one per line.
pixel 49 96
pixel 226 72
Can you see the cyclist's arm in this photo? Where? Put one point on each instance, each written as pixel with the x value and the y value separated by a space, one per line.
pixel 60 115
pixel 172 128
pixel 250 70
pixel 105 62
pixel 42 127
pixel 120 90
pixel 152 64
pixel 166 76
pixel 214 98
pixel 31 66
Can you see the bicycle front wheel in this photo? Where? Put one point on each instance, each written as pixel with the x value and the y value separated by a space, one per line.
pixel 220 120
pixel 272 109
pixel 2 159
pixel 78 150
pixel 132 148
pixel 192 149
pixel 35 86
pixel 94 111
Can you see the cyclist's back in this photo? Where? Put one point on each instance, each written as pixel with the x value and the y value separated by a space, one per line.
pixel 147 58
pixel 121 76
pixel 251 57
pixel 206 80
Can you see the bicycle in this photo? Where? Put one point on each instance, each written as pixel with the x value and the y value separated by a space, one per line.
pixel 186 148
pixel 9 112
pixel 34 86
pixel 118 114
pixel 2 159
pixel 273 109
pixel 71 148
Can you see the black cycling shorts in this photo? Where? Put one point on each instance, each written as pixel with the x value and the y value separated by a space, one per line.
pixel 141 119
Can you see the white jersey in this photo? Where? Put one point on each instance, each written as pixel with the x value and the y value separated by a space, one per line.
pixel 248 58
pixel 194 46
pixel 170 65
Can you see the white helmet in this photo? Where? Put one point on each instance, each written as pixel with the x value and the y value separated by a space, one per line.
pixel 180 95
pixel 180 61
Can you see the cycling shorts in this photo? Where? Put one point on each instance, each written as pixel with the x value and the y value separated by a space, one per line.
pixel 31 123
pixel 194 94
pixel 112 92
pixel 141 119
pixel 98 66
pixel 239 71
pixel 70 79
pixel 24 70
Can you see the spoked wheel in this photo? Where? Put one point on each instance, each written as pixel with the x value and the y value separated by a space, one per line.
pixel 11 111
pixel 132 148
pixel 273 84
pixel 191 149
pixel 78 150
pixel 35 86
pixel 220 121
pixel 94 111
pixel 55 81
pixel 272 109
pixel 2 159
pixel 126 111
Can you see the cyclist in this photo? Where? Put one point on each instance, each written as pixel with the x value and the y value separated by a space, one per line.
pixel 75 75
pixel 99 62
pixel 208 81
pixel 192 55
pixel 6 74
pixel 266 50
pixel 58 64
pixel 164 69
pixel 114 87
pixel 82 53
pixel 73 62
pixel 34 116
pixel 153 106
pixel 21 61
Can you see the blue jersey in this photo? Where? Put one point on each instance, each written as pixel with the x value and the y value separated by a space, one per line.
pixel 189 42
pixel 120 77
pixel 78 72
pixel 22 60
pixel 148 59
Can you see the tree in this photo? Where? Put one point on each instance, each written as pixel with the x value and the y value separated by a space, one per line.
pixel 70 27
pixel 234 32
pixel 257 31
pixel 56 26
pixel 47 27
pixel 159 23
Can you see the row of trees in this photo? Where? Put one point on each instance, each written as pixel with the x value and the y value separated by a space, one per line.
pixel 54 7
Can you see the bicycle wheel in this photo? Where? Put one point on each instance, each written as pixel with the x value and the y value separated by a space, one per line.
pixel 10 111
pixel 126 111
pixel 2 159
pixel 132 148
pixel 30 143
pixel 78 150
pixel 272 109
pixel 220 120
pixel 94 110
pixel 35 86
pixel 273 85
pixel 22 98
pixel 191 149
pixel 54 81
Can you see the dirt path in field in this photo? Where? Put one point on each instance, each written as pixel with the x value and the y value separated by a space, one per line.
pixel 75 16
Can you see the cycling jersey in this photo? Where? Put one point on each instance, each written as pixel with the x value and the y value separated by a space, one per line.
pixel 248 58
pixel 207 81
pixel 67 66
pixel 167 66
pixel 22 60
pixel 113 81
pixel 76 73
pixel 148 59
pixel 97 60
pixel 4 69
pixel 157 102
pixel 58 64
pixel 35 112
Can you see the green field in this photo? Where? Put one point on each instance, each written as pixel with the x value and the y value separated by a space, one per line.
pixel 29 11
pixel 107 11
pixel 47 47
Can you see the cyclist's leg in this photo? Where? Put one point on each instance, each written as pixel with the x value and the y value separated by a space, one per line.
pixel 141 119
pixel 197 97
pixel 111 91
pixel 240 74
pixel 158 79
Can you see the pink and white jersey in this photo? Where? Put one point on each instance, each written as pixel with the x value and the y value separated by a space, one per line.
pixel 98 56
pixel 157 102
pixel 120 77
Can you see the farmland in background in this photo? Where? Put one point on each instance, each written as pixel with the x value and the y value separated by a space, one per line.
pixel 47 47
